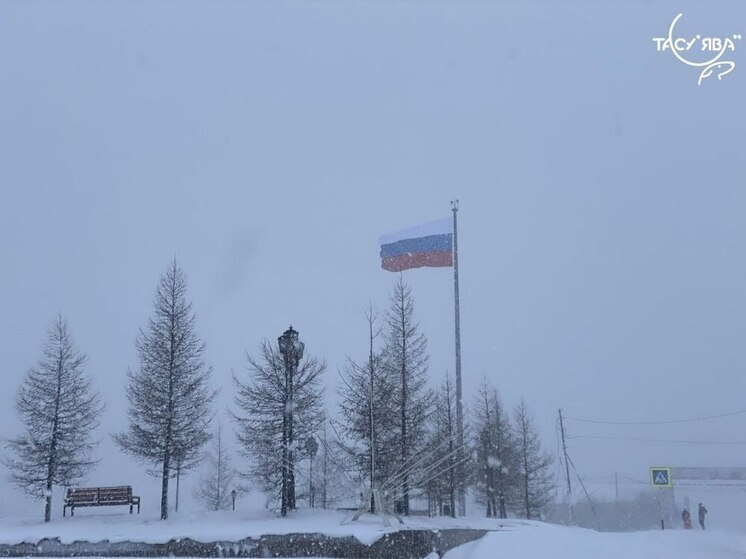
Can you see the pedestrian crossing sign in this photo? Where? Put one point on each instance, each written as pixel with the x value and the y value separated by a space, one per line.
pixel 660 477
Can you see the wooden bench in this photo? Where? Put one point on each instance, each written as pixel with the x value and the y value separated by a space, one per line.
pixel 99 497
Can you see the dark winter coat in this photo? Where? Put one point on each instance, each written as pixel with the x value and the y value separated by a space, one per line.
pixel 702 513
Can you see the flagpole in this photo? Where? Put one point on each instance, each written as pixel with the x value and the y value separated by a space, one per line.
pixel 459 395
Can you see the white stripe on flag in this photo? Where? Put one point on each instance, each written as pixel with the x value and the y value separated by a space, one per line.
pixel 440 227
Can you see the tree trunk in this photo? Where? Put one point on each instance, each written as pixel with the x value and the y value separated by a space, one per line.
pixel 452 497
pixel 404 404
pixel 169 426
pixel 489 473
pixel 51 465
pixel 164 486
pixel 48 505
pixel 326 458
pixel 503 509
pixel 525 482
pixel 178 475
pixel 487 476
pixel 50 471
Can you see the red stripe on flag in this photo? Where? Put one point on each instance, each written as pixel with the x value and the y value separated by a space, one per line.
pixel 440 259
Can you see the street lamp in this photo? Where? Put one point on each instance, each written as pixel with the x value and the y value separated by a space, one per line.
pixel 291 349
pixel 233 498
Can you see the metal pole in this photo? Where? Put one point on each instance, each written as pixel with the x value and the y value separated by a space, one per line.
pixel 567 467
pixel 372 435
pixel 457 322
pixel 291 417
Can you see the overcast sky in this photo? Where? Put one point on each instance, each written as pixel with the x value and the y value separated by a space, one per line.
pixel 267 145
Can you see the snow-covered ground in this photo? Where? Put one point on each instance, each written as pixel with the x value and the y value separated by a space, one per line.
pixel 546 541
pixel 513 538
pixel 220 526
pixel 201 527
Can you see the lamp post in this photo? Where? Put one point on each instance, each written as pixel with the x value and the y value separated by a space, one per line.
pixel 233 499
pixel 312 447
pixel 291 349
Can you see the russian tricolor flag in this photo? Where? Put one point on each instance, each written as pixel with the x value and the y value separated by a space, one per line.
pixel 426 245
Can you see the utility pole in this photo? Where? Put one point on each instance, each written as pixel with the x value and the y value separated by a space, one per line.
pixel 617 517
pixel 616 486
pixel 567 467
pixel 564 451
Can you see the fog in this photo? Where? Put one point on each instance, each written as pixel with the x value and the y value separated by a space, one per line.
pixel 267 146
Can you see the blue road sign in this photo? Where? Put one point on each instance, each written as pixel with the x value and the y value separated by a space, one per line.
pixel 660 477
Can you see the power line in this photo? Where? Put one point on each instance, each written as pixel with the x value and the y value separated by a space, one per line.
pixel 608 479
pixel 604 481
pixel 634 480
pixel 709 484
pixel 665 422
pixel 675 441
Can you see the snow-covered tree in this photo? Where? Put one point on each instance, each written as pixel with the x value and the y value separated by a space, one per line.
pixel 218 477
pixel 497 478
pixel 442 477
pixel 407 359
pixel 331 477
pixel 170 400
pixel 536 481
pixel 59 411
pixel 368 412
pixel 278 409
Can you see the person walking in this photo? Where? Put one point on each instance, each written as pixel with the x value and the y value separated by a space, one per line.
pixel 702 512
pixel 686 519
